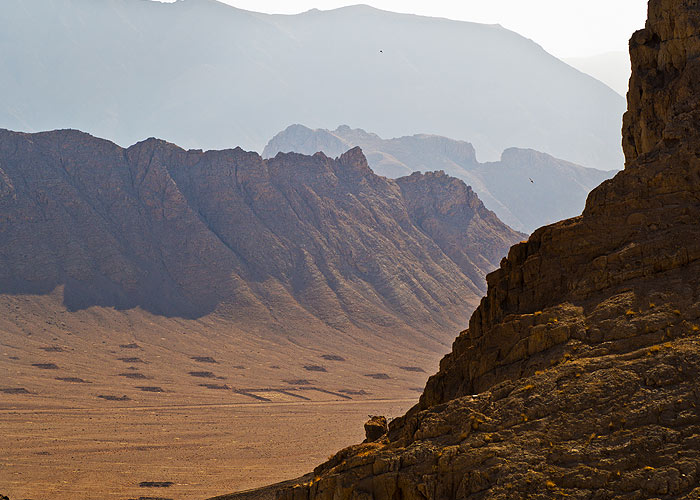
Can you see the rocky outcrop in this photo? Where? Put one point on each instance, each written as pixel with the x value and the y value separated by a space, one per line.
pixel 577 376
pixel 375 428
pixel 294 241
pixel 526 189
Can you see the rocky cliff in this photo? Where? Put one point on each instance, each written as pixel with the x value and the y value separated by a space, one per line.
pixel 293 241
pixel 526 189
pixel 577 376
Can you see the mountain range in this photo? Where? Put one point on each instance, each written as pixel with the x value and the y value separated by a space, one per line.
pixel 526 189
pixel 185 233
pixel 203 74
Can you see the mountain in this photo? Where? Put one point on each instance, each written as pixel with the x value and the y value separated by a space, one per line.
pixel 577 376
pixel 202 74
pixel 611 68
pixel 526 188
pixel 186 233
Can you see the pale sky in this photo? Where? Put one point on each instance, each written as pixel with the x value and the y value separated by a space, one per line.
pixel 565 28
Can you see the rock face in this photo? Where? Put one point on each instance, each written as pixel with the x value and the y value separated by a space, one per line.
pixel 295 241
pixel 526 189
pixel 577 376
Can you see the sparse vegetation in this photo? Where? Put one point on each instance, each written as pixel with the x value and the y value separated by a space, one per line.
pixel 75 380
pixel 15 390
pixel 314 368
pixel 204 359
pixel 114 398
pixel 150 389
pixel 45 366
pixel 155 484
pixel 131 360
pixel 52 349
pixel 216 386
pixel 332 357
pixel 132 345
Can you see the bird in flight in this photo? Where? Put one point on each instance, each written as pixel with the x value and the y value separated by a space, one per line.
pixel 531 180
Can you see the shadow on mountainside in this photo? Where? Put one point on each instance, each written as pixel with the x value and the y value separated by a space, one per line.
pixel 183 233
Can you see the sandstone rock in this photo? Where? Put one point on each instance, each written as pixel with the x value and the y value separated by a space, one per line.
pixel 375 428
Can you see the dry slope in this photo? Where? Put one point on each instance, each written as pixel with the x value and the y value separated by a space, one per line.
pixel 578 374
pixel 295 241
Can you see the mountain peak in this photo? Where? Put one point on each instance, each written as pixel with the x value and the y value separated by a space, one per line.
pixel 356 159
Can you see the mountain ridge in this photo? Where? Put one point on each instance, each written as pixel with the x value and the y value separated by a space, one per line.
pixel 257 233
pixel 526 188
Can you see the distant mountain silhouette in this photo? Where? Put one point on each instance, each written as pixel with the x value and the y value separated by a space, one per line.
pixel 203 74
pixel 527 189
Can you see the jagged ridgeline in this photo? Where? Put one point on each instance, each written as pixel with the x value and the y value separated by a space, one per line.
pixel 526 189
pixel 295 242
pixel 577 376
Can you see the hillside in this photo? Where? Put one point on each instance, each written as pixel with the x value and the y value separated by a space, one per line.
pixel 205 75
pixel 526 189
pixel 293 238
pixel 577 376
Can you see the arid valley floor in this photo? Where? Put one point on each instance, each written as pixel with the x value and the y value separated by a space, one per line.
pixel 140 417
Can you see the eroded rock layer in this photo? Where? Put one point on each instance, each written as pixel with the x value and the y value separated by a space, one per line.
pixel 577 376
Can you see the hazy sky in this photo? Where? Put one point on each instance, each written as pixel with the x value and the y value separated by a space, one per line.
pixel 565 28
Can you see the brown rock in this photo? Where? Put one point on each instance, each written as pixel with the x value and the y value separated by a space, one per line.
pixel 375 428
